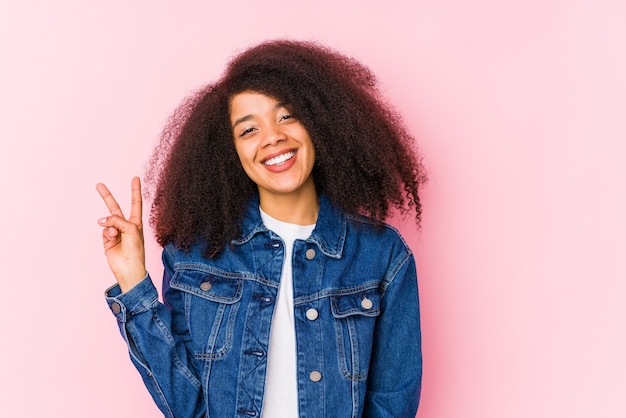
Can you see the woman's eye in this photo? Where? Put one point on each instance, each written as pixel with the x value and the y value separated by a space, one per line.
pixel 285 117
pixel 246 132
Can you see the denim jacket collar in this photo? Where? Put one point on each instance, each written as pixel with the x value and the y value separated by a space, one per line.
pixel 329 234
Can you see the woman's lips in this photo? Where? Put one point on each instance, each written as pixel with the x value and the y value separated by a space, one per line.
pixel 281 161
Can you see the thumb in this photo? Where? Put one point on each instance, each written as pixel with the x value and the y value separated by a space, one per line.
pixel 115 225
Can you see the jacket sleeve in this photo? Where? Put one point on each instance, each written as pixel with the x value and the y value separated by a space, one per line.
pixel 158 347
pixel 395 374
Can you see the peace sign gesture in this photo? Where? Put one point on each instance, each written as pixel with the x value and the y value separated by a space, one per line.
pixel 123 238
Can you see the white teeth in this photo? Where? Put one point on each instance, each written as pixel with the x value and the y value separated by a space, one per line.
pixel 280 159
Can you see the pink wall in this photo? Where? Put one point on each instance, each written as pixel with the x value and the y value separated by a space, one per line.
pixel 520 109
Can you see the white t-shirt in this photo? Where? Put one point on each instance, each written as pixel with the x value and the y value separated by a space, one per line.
pixel 281 385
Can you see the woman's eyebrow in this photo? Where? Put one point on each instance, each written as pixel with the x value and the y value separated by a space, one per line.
pixel 242 119
pixel 248 117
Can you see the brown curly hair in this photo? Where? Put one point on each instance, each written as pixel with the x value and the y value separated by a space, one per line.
pixel 365 158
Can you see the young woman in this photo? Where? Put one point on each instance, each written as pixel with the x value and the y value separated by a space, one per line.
pixel 284 292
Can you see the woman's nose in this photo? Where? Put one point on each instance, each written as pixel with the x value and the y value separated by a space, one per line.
pixel 273 135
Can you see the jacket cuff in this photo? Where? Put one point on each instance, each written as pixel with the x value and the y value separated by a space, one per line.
pixel 137 300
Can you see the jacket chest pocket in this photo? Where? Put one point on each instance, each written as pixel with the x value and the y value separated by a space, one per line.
pixel 211 301
pixel 355 317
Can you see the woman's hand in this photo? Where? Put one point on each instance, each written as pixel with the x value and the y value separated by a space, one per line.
pixel 123 238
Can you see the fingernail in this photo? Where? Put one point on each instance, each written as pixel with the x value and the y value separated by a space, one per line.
pixel 102 220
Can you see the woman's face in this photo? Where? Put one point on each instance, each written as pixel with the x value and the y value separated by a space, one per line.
pixel 274 148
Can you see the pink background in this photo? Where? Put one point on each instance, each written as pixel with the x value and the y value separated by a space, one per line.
pixel 519 107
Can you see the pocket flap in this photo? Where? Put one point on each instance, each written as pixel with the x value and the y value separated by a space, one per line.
pixel 222 288
pixel 365 303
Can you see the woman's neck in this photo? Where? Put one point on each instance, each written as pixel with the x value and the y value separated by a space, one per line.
pixel 300 207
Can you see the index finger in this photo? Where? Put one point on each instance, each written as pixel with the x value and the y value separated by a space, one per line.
pixel 135 202
pixel 109 200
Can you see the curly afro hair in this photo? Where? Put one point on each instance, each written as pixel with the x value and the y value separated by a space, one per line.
pixel 365 158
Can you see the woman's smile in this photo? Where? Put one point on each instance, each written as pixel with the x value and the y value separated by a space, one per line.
pixel 281 162
pixel 280 159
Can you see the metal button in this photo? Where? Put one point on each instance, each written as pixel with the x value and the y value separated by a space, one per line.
pixel 315 376
pixel 116 308
pixel 367 303
pixel 206 286
pixel 310 254
pixel 312 314
pixel 256 353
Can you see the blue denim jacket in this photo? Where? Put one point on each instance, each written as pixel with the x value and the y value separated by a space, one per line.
pixel 204 352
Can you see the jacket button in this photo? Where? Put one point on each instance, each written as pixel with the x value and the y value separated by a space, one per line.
pixel 116 308
pixel 206 286
pixel 312 314
pixel 367 303
pixel 310 254
pixel 315 376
